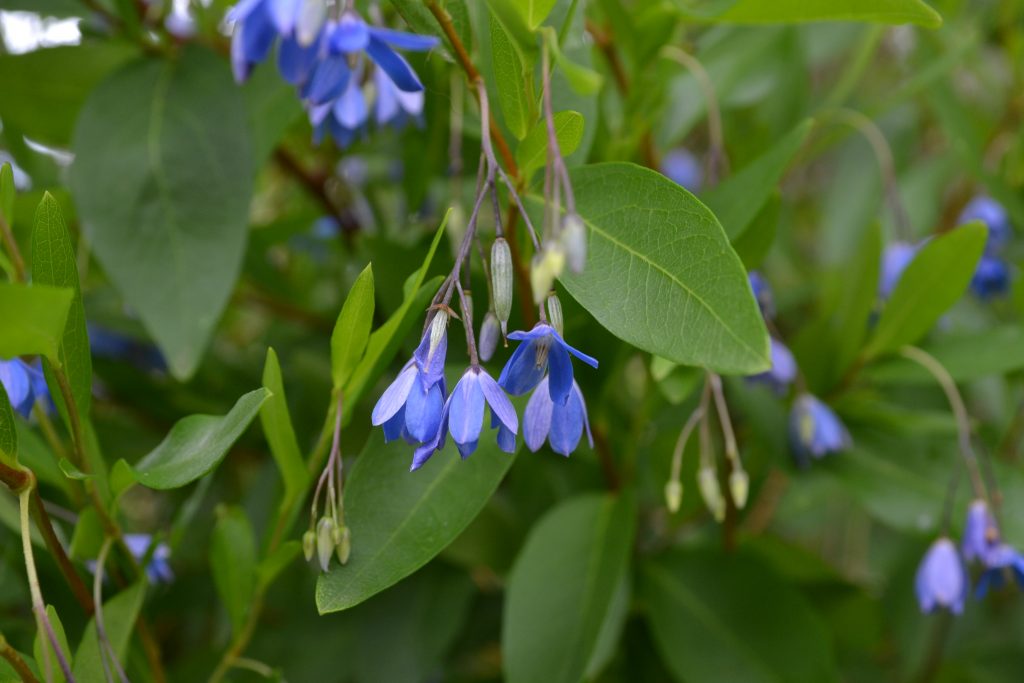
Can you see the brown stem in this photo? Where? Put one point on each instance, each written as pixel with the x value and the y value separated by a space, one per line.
pixel 45 526
pixel 522 274
pixel 12 248
pixel 604 456
pixel 16 662
pixel 606 44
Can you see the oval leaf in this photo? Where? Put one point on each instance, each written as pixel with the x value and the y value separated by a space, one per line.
pixel 531 155
pixel 119 615
pixel 34 320
pixel 277 427
pixel 352 329
pixel 233 560
pixel 513 72
pixel 794 11
pixel 660 272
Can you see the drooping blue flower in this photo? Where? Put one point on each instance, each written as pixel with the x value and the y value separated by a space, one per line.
pixel 561 425
pixel 345 117
pixel 980 531
pixel 258 23
pixel 1002 562
pixel 783 370
pixel 683 168
pixel 542 348
pixel 941 579
pixel 395 106
pixel 815 430
pixel 413 406
pixel 992 214
pixel 24 384
pixel 991 278
pixel 352 35
pixel 762 293
pixel 296 61
pixel 895 260
pixel 158 570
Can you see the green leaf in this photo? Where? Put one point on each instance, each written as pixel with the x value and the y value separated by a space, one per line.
pixel 730 618
pixel 34 454
pixel 277 561
pixel 54 263
pixel 419 18
pixel 272 108
pixel 277 427
pixel 789 11
pixel 7 194
pixel 755 183
pixel 119 615
pixel 583 80
pixel 561 588
pixel 934 281
pixel 531 155
pixel 534 12
pixel 34 319
pixel 70 471
pixel 352 329
pixel 965 355
pixel 196 444
pixel 400 520
pixel 42 641
pixel 8 431
pixel 233 560
pixel 70 73
pixel 660 272
pixel 87 538
pixel 167 216
pixel 513 74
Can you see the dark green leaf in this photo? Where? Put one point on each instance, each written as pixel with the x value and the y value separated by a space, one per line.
pixel 400 520
pixel 34 320
pixel 167 215
pixel 531 155
pixel 8 431
pixel 352 329
pixel 197 444
pixel 277 427
pixel 786 11
pixel 119 615
pixel 7 194
pixel 34 454
pixel 513 75
pixel 660 272
pixel 420 19
pixel 62 640
pixel 272 108
pixel 934 281
pixel 87 538
pixel 561 587
pixel 233 561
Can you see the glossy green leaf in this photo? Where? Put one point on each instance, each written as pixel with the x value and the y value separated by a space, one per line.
pixel 531 155
pixel 934 281
pixel 119 615
pixel 54 263
pixel 561 588
pixel 34 319
pixel 233 561
pixel 196 444
pixel 8 431
pixel 277 427
pixel 47 114
pixel 7 193
pixel 513 73
pixel 730 618
pixel 400 520
pixel 788 11
pixel 352 329
pixel 965 355
pixel 660 272
pixel 167 215
pixel 41 641
pixel 755 183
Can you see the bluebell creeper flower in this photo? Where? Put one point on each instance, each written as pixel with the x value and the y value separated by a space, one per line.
pixel 106 343
pixel 543 348
pixel 683 168
pixel 783 370
pixel 895 260
pixel 561 425
pixel 992 214
pixel 24 384
pixel 344 117
pixel 991 278
pixel 941 579
pixel 352 35
pixel 393 105
pixel 815 430
pixel 158 570
pixel 980 531
pixel 413 406
pixel 762 293
pixel 1002 562
pixel 258 23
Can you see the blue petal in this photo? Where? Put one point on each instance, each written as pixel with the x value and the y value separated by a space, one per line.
pixel 386 107
pixel 284 14
pixel 403 40
pixel 431 365
pixel 501 407
pixel 424 452
pixel 423 411
pixel 350 108
pixel 295 62
pixel 258 34
pixel 466 409
pixel 329 80
pixel 242 10
pixel 393 427
pixel 15 378
pixel 537 418
pixel 559 374
pixel 566 425
pixel 395 66
pixel 522 373
pixel 589 360
pixel 350 35
pixel 506 439
pixel 394 397
pixel 466 449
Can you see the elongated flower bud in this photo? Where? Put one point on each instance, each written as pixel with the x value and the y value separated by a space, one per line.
pixel 574 240
pixel 739 488
pixel 438 329
pixel 344 544
pixel 490 330
pixel 501 280
pixel 711 492
pixel 308 544
pixel 555 313
pixel 674 495
pixel 312 15
pixel 469 308
pixel 325 541
pixel 547 265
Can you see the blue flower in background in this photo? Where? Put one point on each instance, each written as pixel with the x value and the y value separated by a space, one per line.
pixel 762 293
pixel 543 347
pixel 991 213
pixel 562 425
pixel 991 278
pixel 783 370
pixel 24 384
pixel 683 168
pixel 413 406
pixel 1002 562
pixel 941 579
pixel 815 430
pixel 351 35
pixel 158 570
pixel 258 23
pixel 395 106
pixel 980 531
pixel 895 260
pixel 344 118
pixel 104 343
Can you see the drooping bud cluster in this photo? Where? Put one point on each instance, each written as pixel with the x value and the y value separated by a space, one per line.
pixel 501 282
pixel 574 242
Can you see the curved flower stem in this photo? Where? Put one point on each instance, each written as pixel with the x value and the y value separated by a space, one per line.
pixel 17 663
pixel 731 450
pixel 106 649
pixel 676 471
pixel 717 163
pixel 12 249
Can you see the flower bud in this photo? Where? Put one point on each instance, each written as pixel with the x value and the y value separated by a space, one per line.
pixel 468 295
pixel 344 548
pixel 711 492
pixel 739 487
pixel 574 240
pixel 501 280
pixel 308 544
pixel 674 495
pixel 312 15
pixel 547 265
pixel 325 541
pixel 438 329
pixel 490 330
pixel 555 313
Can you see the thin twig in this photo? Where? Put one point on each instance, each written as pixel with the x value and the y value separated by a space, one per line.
pixel 14 658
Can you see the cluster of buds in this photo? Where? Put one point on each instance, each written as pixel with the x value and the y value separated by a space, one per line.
pixel 329 538
pixel 328 535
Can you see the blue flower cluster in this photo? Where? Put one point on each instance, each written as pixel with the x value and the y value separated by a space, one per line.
pixel 942 579
pixel 417 408
pixel 683 168
pixel 25 385
pixel 992 276
pixel 343 68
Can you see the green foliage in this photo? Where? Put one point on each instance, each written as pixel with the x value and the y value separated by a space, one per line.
pixel 513 72
pixel 233 563
pixel 8 432
pixel 42 647
pixel 34 318
pixel 352 329
pixel 119 616
pixel 784 11
pixel 531 154
pixel 277 427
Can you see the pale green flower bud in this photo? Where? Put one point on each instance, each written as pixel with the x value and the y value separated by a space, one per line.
pixel 555 313
pixel 501 280
pixel 674 495
pixel 574 240
pixel 469 308
pixel 739 487
pixel 711 492
pixel 547 266
pixel 308 544
pixel 490 330
pixel 325 541
pixel 344 545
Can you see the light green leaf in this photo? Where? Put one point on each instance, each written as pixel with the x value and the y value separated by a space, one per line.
pixel 196 444
pixel 167 216
pixel 54 263
pixel 277 427
pixel 660 272
pixel 233 560
pixel 277 561
pixel 701 607
pixel 34 319
pixel 87 538
pixel 755 183
pixel 42 641
pixel 965 355
pixel 70 471
pixel 352 329
pixel 789 11
pixel 513 72
pixel 7 194
pixel 400 520
pixel 272 108
pixel 561 588
pixel 8 431
pixel 418 16
pixel 119 615
pixel 583 80
pixel 34 454
pixel 934 281
pixel 531 155
pixel 534 12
